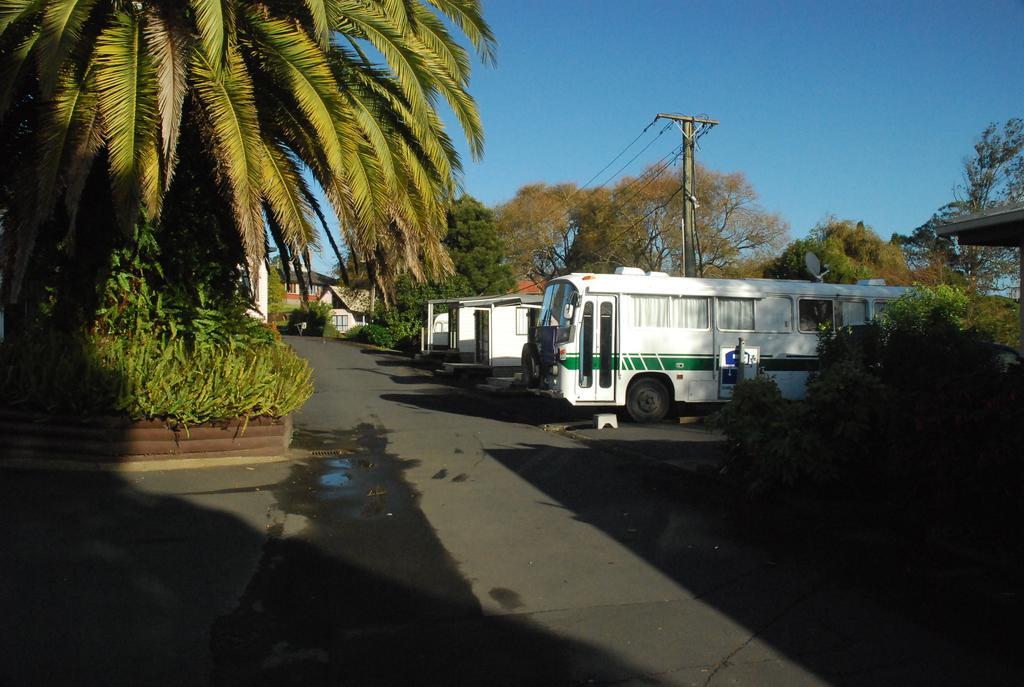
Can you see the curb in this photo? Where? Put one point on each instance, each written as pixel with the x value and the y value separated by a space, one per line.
pixel 57 465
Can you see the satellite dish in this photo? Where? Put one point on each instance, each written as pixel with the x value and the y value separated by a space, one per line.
pixel 813 265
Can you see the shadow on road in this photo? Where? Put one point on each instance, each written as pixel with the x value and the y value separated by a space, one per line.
pixel 109 583
pixel 792 583
pixel 105 584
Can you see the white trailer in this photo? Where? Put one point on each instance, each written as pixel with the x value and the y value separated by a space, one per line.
pixel 483 332
pixel 646 340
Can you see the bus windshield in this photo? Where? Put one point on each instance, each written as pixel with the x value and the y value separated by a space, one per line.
pixel 553 311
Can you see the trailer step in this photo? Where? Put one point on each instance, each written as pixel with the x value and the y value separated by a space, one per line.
pixel 502 382
pixel 501 390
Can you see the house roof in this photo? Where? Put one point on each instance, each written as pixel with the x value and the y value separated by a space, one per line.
pixel 528 286
pixel 1000 227
pixel 356 300
pixel 485 301
pixel 316 278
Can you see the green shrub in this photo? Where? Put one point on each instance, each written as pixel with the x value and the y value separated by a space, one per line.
pixel 166 336
pixel 355 333
pixel 910 409
pixel 379 335
pixel 152 377
pixel 315 316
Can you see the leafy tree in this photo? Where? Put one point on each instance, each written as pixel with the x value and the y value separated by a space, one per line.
pixel 402 318
pixel 476 248
pixel 275 290
pixel 275 89
pixel 537 232
pixel 994 317
pixel 992 177
pixel 849 250
pixel 556 229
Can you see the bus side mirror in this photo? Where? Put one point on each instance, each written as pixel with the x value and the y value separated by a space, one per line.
pixel 567 311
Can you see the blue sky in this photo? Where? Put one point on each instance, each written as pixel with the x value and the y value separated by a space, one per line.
pixel 860 109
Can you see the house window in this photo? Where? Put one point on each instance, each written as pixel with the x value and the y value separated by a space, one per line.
pixel 736 314
pixel 293 287
pixel 340 322
pixel 814 313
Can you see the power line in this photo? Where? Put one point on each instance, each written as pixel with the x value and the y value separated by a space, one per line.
pixel 648 214
pixel 655 173
pixel 565 202
pixel 622 152
pixel 633 159
pixel 660 166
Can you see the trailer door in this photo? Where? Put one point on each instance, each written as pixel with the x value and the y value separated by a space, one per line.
pixel 482 335
pixel 598 349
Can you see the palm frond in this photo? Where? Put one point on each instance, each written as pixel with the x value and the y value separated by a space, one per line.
pixel 13 69
pixel 314 204
pixel 73 104
pixel 170 45
pixel 61 31
pixel 126 89
pixel 227 101
pixel 298 64
pixel 213 19
pixel 87 129
pixel 13 11
pixel 468 16
pixel 321 26
pixel 283 195
pixel 432 33
pixel 406 63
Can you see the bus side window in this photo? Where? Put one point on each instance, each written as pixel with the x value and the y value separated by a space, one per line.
pixel 851 313
pixel 815 312
pixel 774 314
pixel 880 307
pixel 652 311
pixel 736 314
pixel 691 312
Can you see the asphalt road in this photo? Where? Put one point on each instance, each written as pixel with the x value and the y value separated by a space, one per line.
pixel 421 534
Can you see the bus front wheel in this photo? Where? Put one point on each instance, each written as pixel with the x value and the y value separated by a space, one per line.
pixel 647 400
pixel 531 367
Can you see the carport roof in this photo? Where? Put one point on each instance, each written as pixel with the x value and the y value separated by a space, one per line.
pixel 507 299
pixel 1000 227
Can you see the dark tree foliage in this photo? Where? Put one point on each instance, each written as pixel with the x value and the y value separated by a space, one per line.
pixel 193 258
pixel 913 409
pixel 476 248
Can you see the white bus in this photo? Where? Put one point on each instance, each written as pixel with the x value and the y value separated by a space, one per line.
pixel 647 340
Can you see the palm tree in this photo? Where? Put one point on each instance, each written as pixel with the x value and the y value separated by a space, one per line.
pixel 283 93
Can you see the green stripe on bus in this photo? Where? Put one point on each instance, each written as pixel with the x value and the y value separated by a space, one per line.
pixel 653 362
pixel 789 364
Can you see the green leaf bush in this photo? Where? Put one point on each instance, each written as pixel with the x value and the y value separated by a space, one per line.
pixel 912 408
pixel 180 350
pixel 147 377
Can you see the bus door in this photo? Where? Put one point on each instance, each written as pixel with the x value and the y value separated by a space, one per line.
pixel 598 347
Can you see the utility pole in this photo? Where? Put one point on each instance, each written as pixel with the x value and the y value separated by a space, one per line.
pixel 691 128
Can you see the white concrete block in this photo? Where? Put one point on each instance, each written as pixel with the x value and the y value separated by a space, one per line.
pixel 602 420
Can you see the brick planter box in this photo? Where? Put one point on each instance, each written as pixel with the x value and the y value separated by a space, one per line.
pixel 111 439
